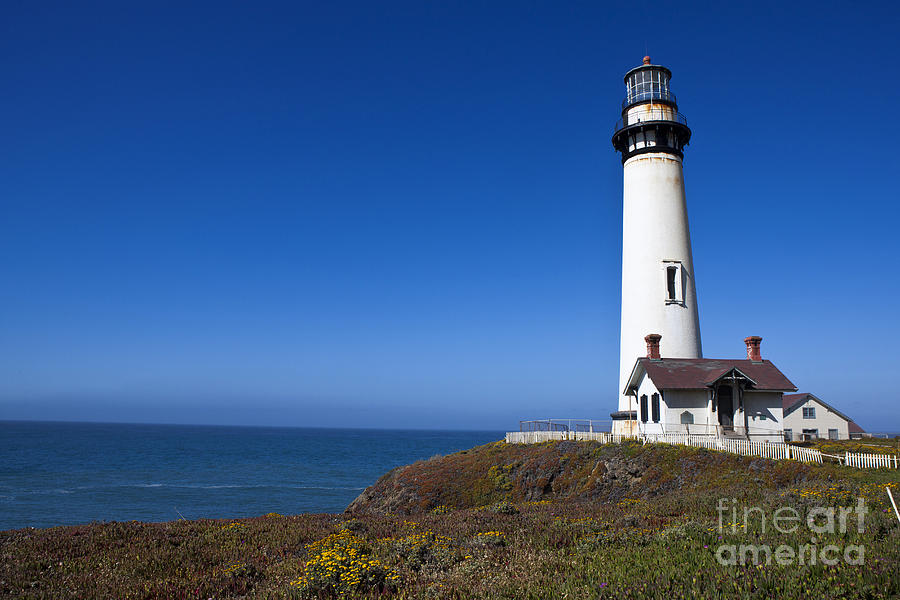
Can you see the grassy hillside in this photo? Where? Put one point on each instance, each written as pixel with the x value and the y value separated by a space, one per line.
pixel 580 472
pixel 557 520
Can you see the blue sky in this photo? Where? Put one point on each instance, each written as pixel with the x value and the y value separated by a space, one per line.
pixel 409 214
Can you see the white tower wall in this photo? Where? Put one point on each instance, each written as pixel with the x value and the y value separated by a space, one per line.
pixel 658 288
pixel 655 237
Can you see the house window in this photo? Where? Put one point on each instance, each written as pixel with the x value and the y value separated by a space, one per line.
pixel 687 418
pixel 788 435
pixel 832 434
pixel 810 434
pixel 809 412
pixel 655 408
pixel 674 284
pixel 644 408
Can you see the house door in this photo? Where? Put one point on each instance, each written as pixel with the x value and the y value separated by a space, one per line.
pixel 726 407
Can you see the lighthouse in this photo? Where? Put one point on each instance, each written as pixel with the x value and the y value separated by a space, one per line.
pixel 658 281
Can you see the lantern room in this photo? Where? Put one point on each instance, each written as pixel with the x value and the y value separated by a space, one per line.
pixel 648 83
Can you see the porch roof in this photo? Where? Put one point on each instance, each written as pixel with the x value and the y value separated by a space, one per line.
pixel 700 373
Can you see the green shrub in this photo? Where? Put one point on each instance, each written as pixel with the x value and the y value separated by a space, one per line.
pixel 505 508
pixel 341 564
pixel 499 476
pixel 354 525
pixel 423 549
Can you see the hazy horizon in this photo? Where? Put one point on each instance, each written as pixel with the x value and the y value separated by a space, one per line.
pixel 360 215
pixel 66 422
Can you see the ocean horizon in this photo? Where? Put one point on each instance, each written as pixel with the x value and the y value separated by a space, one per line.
pixel 65 473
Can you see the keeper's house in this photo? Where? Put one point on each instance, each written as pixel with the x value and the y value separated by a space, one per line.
pixel 809 417
pixel 707 396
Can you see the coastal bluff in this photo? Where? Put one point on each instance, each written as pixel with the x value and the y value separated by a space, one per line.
pixel 578 520
pixel 569 471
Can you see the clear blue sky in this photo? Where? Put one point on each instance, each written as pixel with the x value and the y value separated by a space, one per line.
pixel 409 214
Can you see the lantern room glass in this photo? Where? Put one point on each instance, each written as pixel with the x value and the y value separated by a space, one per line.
pixel 648 84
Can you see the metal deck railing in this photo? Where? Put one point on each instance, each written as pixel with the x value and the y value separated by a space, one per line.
pixel 635 96
pixel 664 115
pixel 579 425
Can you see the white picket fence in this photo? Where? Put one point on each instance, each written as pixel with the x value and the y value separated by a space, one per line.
pixel 774 450
pixel 871 461
pixel 536 437
pixel 805 454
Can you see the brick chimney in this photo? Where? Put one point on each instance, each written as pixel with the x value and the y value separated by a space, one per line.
pixel 753 348
pixel 653 345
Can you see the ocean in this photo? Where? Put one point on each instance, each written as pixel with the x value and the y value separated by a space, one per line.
pixel 70 473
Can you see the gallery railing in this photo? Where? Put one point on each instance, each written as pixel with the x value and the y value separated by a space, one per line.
pixel 636 95
pixel 577 425
pixel 649 116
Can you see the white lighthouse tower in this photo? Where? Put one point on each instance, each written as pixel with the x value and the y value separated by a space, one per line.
pixel 658 291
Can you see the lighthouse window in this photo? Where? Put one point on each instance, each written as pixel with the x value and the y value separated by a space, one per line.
pixel 674 282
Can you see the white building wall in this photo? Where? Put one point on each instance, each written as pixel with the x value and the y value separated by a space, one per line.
pixel 672 404
pixel 654 230
pixel 759 417
pixel 762 416
pixel 696 403
pixel 825 419
pixel 647 387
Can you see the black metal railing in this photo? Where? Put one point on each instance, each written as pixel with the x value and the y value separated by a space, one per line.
pixel 654 115
pixel 635 96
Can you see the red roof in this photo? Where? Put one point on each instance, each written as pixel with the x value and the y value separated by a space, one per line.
pixel 791 399
pixel 854 428
pixel 699 373
pixel 791 402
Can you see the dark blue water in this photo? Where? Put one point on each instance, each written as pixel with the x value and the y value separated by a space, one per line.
pixel 68 473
